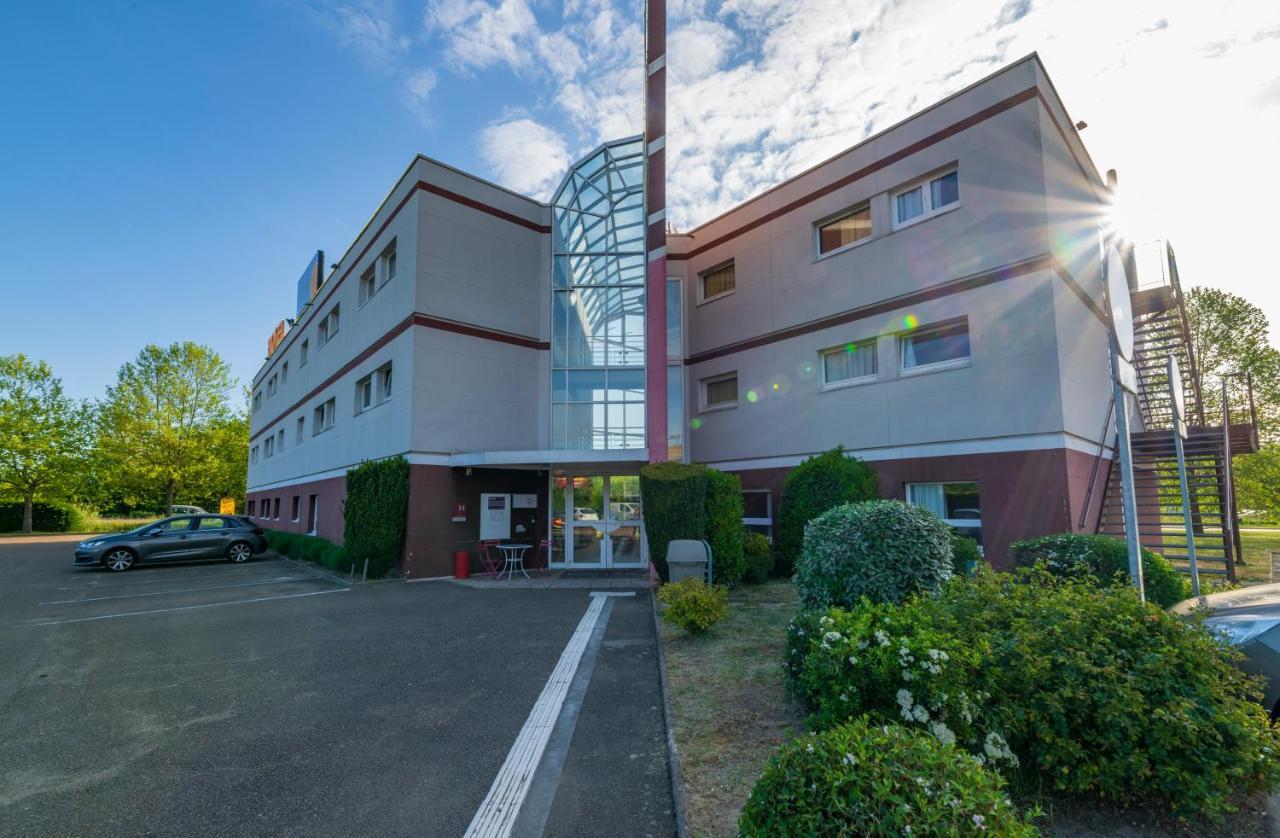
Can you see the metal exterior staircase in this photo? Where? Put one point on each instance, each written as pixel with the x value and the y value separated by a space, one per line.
pixel 1160 330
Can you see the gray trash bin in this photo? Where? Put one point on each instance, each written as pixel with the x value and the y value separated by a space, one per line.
pixel 688 558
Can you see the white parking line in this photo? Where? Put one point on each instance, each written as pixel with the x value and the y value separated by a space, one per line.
pixel 131 580
pixel 497 813
pixel 182 608
pixel 175 591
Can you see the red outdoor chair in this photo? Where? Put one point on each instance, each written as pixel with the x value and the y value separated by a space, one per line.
pixel 490 558
pixel 541 556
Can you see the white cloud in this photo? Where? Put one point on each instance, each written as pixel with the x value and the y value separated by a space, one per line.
pixel 419 85
pixel 367 30
pixel 525 155
pixel 479 34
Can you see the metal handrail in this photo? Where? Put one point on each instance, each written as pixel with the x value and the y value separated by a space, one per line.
pixel 1097 461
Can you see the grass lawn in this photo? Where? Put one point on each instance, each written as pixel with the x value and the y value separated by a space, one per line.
pixel 1257 546
pixel 727 698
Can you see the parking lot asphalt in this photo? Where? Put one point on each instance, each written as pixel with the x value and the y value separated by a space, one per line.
pixel 266 699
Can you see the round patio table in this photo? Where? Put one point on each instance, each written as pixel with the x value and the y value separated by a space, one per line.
pixel 514 554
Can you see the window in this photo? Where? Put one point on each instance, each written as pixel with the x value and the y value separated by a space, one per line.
pixel 277 509
pixel 958 504
pixel 271 386
pixel 718 282
pixel 322 419
pixel 928 197
pixel 373 389
pixel 368 284
pixel 328 327
pixel 253 455
pixel 284 373
pixel 721 391
pixel 257 401
pixel 302 423
pixel 846 230
pixel 297 508
pixel 388 265
pixel 302 353
pixel 935 346
pixel 757 511
pixel 214 524
pixel 851 362
pixel 313 513
pixel 280 441
pixel 253 509
pixel 269 446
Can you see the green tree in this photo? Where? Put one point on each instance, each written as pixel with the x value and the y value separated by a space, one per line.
pixel 42 432
pixel 1231 335
pixel 811 488
pixel 167 425
pixel 1257 479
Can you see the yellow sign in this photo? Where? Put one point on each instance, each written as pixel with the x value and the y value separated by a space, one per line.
pixel 227 506
pixel 277 335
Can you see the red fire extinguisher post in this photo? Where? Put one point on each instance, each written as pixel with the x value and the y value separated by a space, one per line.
pixel 461 564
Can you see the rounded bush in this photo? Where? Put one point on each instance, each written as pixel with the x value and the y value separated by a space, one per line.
pixel 759 558
pixel 882 550
pixel 1106 559
pixel 864 779
pixel 811 488
pixel 965 557
pixel 692 605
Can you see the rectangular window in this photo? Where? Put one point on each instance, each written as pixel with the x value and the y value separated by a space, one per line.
pixel 757 511
pixel 387 265
pixel 297 508
pixel 845 230
pixel 373 389
pixel 851 362
pixel 284 373
pixel 271 386
pixel 384 377
pixel 302 353
pixel 302 422
pixel 368 285
pixel 253 455
pixel 328 327
pixel 322 417
pixel 675 320
pixel 926 198
pixel 253 508
pixel 958 504
pixel 721 391
pixel 718 282
pixel 276 513
pixel 269 446
pixel 936 345
pixel 280 440
pixel 364 394
pixel 257 401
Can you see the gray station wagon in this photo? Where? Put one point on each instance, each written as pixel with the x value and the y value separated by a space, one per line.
pixel 180 538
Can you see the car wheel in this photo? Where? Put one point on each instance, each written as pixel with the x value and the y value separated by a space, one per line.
pixel 118 560
pixel 239 552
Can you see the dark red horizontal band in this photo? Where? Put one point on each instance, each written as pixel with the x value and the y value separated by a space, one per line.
pixel 332 287
pixel 415 319
pixel 933 292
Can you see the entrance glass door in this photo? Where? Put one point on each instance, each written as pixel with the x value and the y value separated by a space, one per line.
pixel 596 521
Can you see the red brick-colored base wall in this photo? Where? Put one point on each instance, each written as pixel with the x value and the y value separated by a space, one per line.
pixel 432 536
pixel 330 493
pixel 1023 493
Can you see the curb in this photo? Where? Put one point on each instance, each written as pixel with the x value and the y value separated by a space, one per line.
pixel 673 761
pixel 1272 819
pixel 319 571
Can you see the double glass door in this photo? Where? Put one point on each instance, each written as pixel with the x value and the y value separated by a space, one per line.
pixel 596 521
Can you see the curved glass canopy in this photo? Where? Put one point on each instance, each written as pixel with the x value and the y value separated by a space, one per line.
pixel 598 307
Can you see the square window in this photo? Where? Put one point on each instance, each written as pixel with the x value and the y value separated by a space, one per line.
pixel 721 391
pixel 718 282
pixel 845 230
pixel 935 345
pixel 850 362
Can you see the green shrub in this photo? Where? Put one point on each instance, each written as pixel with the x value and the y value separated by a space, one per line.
pixel 693 605
pixel 1094 692
pixel 758 555
pixel 811 488
pixel 1107 559
pixel 308 548
pixel 884 550
pixel 375 514
pixel 674 499
pixel 865 779
pixel 965 557
pixel 724 526
pixel 45 517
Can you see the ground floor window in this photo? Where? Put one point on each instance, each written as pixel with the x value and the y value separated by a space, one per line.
pixel 959 504
pixel 596 521
pixel 252 508
pixel 757 511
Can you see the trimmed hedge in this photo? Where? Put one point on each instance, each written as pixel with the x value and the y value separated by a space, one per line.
pixel 45 517
pixel 375 513
pixel 308 548
pixel 724 526
pixel 884 550
pixel 811 488
pixel 865 779
pixel 759 558
pixel 674 499
pixel 1072 555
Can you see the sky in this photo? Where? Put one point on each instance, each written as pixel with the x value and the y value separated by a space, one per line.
pixel 168 169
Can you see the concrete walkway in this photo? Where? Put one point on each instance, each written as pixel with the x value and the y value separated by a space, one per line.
pixel 627 580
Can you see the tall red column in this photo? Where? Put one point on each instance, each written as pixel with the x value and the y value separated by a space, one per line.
pixel 655 200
